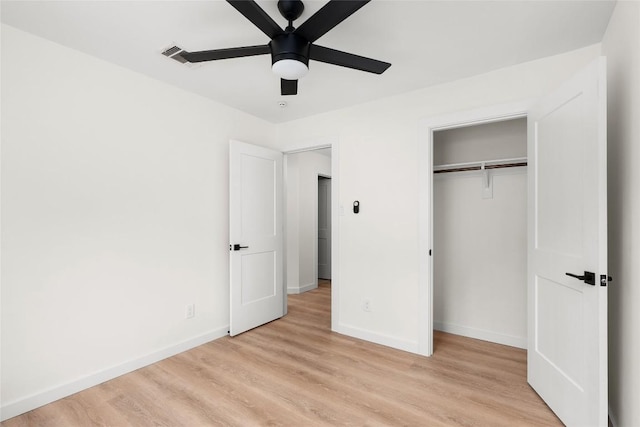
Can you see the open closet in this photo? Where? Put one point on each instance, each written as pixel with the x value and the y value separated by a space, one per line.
pixel 480 231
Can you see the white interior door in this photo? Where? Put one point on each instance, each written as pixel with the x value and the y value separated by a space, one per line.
pixel 567 323
pixel 256 233
pixel 324 228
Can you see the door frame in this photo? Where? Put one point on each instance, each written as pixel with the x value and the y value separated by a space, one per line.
pixel 313 145
pixel 427 127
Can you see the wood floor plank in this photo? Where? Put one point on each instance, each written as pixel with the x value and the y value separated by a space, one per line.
pixel 296 372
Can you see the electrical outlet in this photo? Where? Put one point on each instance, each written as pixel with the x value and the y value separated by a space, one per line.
pixel 366 304
pixel 190 311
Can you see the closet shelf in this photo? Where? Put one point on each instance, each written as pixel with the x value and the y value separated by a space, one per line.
pixel 482 165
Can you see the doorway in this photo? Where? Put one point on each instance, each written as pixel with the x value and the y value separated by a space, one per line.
pixel 307 228
pixel 480 231
pixel 428 128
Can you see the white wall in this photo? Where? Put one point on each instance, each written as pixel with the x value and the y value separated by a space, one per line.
pixel 114 217
pixel 377 148
pixel 302 213
pixel 480 244
pixel 621 45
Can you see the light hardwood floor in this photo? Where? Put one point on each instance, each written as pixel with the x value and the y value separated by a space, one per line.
pixel 296 372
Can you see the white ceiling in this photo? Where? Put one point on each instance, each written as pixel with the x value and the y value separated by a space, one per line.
pixel 427 42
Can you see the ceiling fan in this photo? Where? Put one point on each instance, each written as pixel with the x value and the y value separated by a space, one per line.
pixel 292 48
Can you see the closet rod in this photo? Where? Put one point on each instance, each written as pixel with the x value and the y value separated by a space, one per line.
pixel 478 166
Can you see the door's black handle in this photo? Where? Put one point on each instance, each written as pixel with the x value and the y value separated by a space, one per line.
pixel 589 278
pixel 237 247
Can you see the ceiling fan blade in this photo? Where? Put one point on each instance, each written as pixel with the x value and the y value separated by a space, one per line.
pixel 257 16
pixel 330 15
pixel 288 87
pixel 234 52
pixel 349 60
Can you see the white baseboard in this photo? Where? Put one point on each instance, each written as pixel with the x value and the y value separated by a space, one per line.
pixel 481 334
pixel 20 406
pixel 302 289
pixel 389 341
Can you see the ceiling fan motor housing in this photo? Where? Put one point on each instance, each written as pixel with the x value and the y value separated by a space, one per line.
pixel 289 46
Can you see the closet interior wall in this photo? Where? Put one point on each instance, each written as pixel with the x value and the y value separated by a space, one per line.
pixel 480 236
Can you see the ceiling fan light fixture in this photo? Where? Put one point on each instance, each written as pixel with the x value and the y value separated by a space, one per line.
pixel 290 69
pixel 289 56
